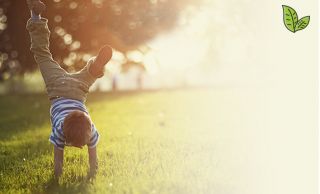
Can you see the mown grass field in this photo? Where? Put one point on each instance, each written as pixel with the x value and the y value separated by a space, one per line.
pixel 194 141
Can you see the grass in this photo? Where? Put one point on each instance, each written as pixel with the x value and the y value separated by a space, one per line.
pixel 147 145
pixel 195 141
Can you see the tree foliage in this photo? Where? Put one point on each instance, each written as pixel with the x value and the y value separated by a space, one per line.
pixel 80 27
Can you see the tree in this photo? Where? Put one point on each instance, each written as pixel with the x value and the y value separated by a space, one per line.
pixel 80 27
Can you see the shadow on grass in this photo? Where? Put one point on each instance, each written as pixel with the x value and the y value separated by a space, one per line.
pixel 81 185
pixel 28 165
pixel 21 113
pixel 22 162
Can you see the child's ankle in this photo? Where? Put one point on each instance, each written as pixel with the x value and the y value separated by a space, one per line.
pixel 35 16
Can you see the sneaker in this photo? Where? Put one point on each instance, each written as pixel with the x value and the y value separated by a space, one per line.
pixel 104 56
pixel 36 6
pixel 97 67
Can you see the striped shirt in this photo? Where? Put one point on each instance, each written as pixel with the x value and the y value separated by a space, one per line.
pixel 60 108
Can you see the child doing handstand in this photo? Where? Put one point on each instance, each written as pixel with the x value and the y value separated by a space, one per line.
pixel 71 123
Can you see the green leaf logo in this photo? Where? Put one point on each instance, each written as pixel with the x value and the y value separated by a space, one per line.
pixel 290 19
pixel 302 23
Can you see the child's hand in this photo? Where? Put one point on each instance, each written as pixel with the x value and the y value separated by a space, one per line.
pixel 92 173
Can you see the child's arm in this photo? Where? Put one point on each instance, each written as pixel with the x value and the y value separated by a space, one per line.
pixel 58 162
pixel 93 162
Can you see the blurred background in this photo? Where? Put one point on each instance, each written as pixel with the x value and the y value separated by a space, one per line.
pixel 159 43
pixel 263 79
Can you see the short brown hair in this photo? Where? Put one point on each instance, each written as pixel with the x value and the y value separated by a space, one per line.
pixel 77 128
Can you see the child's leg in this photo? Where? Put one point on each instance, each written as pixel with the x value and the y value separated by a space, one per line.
pixel 40 34
pixel 95 69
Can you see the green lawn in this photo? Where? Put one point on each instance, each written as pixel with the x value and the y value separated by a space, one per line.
pixel 149 144
pixel 194 141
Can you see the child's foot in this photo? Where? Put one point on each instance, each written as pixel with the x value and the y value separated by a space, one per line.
pixel 36 6
pixel 104 56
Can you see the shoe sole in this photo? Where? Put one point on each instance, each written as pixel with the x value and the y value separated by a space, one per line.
pixel 104 56
pixel 37 7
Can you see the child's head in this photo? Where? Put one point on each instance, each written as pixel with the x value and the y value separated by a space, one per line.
pixel 77 128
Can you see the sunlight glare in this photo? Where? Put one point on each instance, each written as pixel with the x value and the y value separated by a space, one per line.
pixel 185 47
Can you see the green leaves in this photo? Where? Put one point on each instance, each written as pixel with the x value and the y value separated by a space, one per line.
pixel 290 19
pixel 302 23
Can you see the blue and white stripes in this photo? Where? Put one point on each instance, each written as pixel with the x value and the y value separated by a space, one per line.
pixel 60 108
